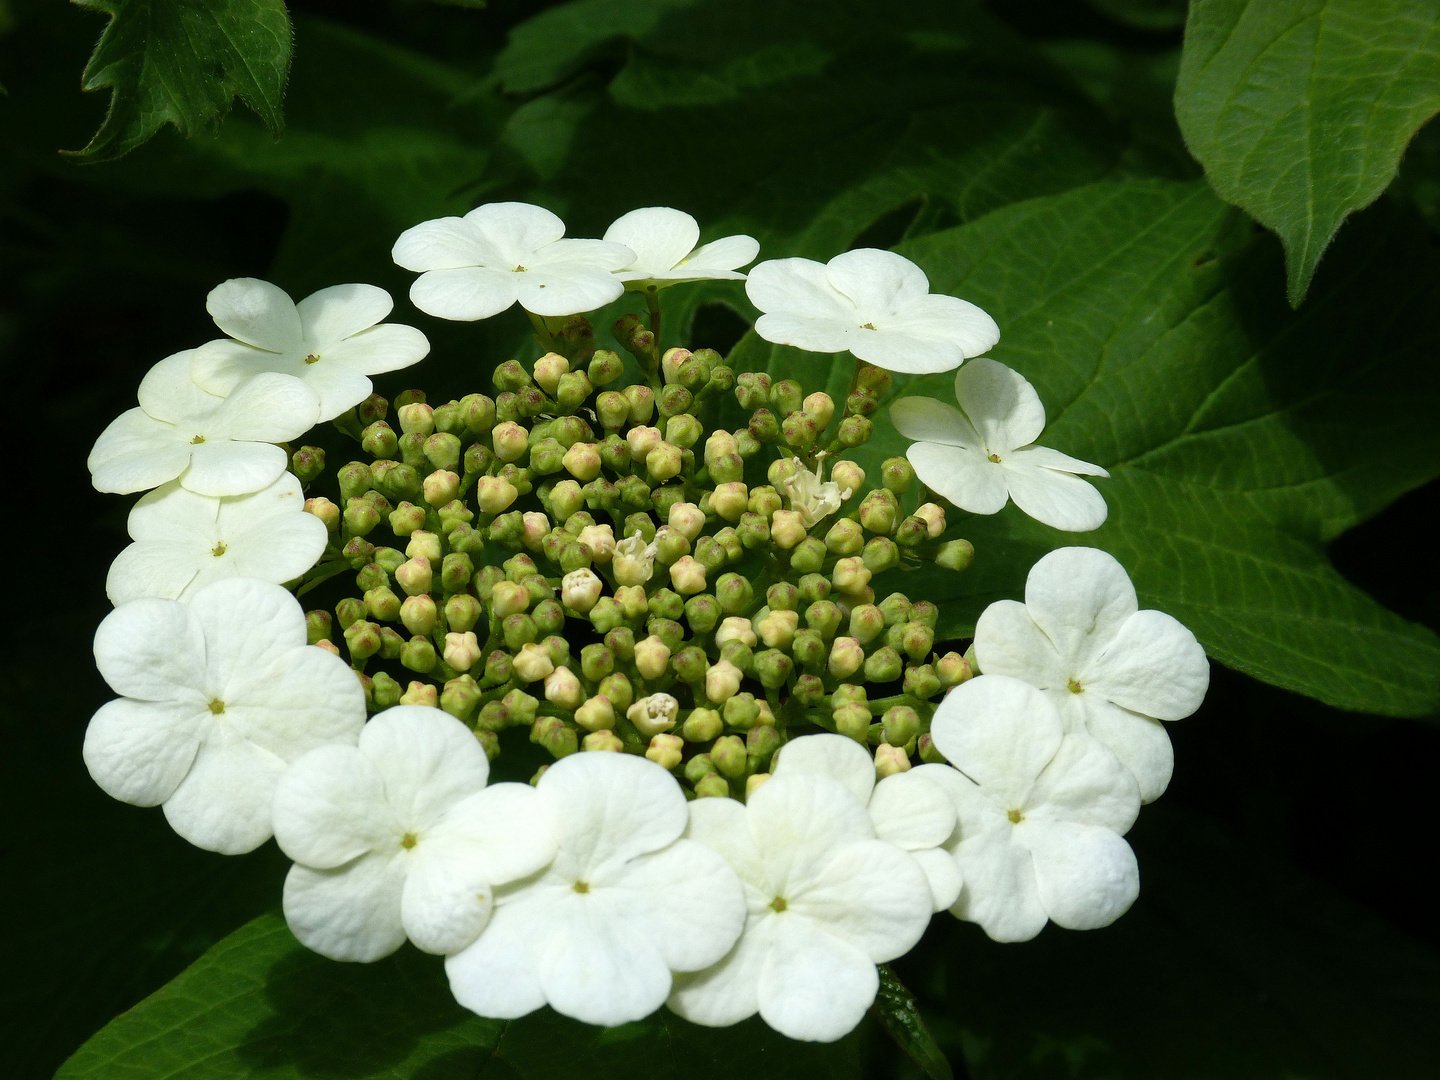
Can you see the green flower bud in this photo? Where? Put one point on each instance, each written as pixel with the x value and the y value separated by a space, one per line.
pixel 633 491
pixel 787 528
pixel 927 750
pixel 385 691
pixel 879 511
pixel 890 760
pixel 596 661
pixel 478 414
pixel 710 555
pixel 820 407
pixel 921 681
pixel 494 716
pixel 326 511
pixel 693 374
pixel 642 403
pixel 566 499
pixel 742 712
pixel 506 407
pixel 862 402
pixel 702 612
pixel 551 733
pixel 786 397
pixel 729 541
pixel 800 431
pixel 617 690
pixel 573 389
pixel 764 428
pixel 760 746
pixel 883 665
pixel 917 640
pixel 665 750
pixel 849 694
pixel 397 481
pixel 663 462
pixel 899 725
pixel 460 697
pixel 674 400
pixel 777 628
pixel 853 720
pixel 382 604
pixel 462 612
pixel 923 611
pixel 782 596
pixel 712 786
pixel 702 725
pixel 455 572
pixel 621 643
pixel 897 475
pixel 549 617
pixel 596 714
pixel 746 444
pixel 380 441
pixel 612 409
pixel 846 657
pixel 752 389
pixel 738 653
pixel 911 533
pixel 666 604
pixel 956 555
pixel 493 494
pixel 873 378
pixel 808 556
pixel 371 576
pixel 727 468
pixel 614 454
pixel 881 554
pixel 531 401
pixel 499 669
pixel 671 633
pixel 357 552
pixel 307 463
pixel 896 609
pixel 670 545
pixel 690 664
pixel 683 430
pixel 866 622
pixel 729 756
pixel 510 441
pixel 632 600
pixel 355 479
pixel 510 376
pixel 772 668
pixel 349 610
pixel 416 418
pixel 665 500
pixel 605 367
pixel 519 630
pixel 317 626
pixel 733 593
pixel 753 531
pixel 855 431
pixel 765 501
pixel 699 767
pixel 606 615
pixel 813 588
pixel 362 639
pixel 547 457
pixel 952 669
pixel 453 514
pixel 808 648
pixel 412 451
pixel 845 538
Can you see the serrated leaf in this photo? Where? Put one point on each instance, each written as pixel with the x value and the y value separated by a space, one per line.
pixel 1301 111
pixel 182 62
pixel 1241 437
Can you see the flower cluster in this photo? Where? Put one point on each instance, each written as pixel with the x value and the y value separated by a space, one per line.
pixel 767 769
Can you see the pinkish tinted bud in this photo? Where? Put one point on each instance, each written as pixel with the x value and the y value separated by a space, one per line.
pixel 326 511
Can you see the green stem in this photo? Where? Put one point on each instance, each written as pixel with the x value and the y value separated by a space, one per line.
pixel 323 572
pixel 542 332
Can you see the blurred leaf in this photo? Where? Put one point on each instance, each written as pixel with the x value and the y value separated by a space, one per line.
pixel 181 62
pixel 1301 111
pixel 1241 437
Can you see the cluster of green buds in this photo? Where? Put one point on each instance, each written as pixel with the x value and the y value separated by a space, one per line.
pixel 608 567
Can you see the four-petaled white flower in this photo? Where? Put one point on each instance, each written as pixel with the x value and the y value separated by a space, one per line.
pixel 664 240
pixel 1042 813
pixel 333 340
pixel 218 696
pixel 983 454
pixel 399 836
pixel 213 445
pixel 184 541
pixel 625 903
pixel 499 254
pixel 906 809
pixel 826 903
pixel 873 303
pixel 812 496
pixel 1110 668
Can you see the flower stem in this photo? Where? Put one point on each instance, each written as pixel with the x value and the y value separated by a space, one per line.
pixel 542 332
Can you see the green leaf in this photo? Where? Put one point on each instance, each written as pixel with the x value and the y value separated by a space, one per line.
pixel 181 62
pixel 1241 437
pixel 899 1015
pixel 1301 111
pixel 260 1004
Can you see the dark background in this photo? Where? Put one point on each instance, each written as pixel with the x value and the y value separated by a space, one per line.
pixel 1287 919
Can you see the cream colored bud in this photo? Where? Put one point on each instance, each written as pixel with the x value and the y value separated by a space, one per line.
pixel 787 528
pixel 325 510
pixel 440 487
pixel 328 646
pixel 777 629
pixel 664 461
pixel 599 540
pixel 651 656
pixel 672 362
pixel 508 598
pixel 719 445
pixel 634 561
pixel 548 370
pixel 532 663
pixel 462 650
pixel 665 750
pixel 654 714
pixel 419 614
pixel 687 519
pixel 781 470
pixel 597 714
pixel 736 628
pixel 687 575
pixel 632 600
pixel 494 494
pixel 537 527
pixel 580 589
pixel 417 418
pixel 424 545
pixel 848 475
pixel 414 576
pixel 510 440
pixel 722 682
pixel 563 689
pixel 603 741
pixel 933 514
pixel 730 500
pixel 766 717
pixel 641 441
pixel 419 693
pixel 753 782
pixel 851 575
pixel 582 461
pixel 890 760
pixel 846 657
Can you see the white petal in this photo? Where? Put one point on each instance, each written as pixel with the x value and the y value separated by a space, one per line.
pixel 814 334
pixel 447 898
pixel 1086 875
pixel 723 825
pixel 465 293
pixel 798 821
pixel 136 452
pixel 268 407
pixel 797 287
pixel 962 475
pixel 337 385
pixel 1007 642
pixel 1045 458
pixel 1000 732
pixel 151 569
pixel 601 967
pixel 139 751
pixel 168 393
pixel 877 282
pixel 1085 784
pixel 895 349
pixel 339 311
pixel 304 698
pixel 727 992
pixel 575 254
pixel 330 807
pixel 1000 892
pixel 224 802
pixel 387 347
pixel 232 468
pixel 943 873
pixel 813 986
pixel 956 322
pixel 255 312
pixel 174 513
pixel 827 754
pixel 352 913
pixel 278 549
pixel 566 289
pixel 515 228
pixel 659 236
pixel 1001 404
pixel 427 759
pixel 507 826
pixel 221 365
pixel 1141 744
pixel 689 900
pixel 499 975
pixel 153 650
pixel 975 811
pixel 923 419
pixel 1055 498
pixel 721 257
pixel 870 894
pixel 248 626
pixel 1153 666
pixel 442 244
pixel 1080 597
pixel 611 808
pixel 911 812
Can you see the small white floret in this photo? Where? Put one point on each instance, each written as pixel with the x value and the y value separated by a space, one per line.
pixel 664 242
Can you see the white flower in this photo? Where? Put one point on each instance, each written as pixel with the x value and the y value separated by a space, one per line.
pixel 1110 668
pixel 625 903
pixel 214 445
pixel 906 809
pixel 184 541
pixel 984 453
pixel 218 695
pixel 826 902
pixel 1042 813
pixel 399 836
pixel 634 560
pixel 812 496
pixel 333 340
pixel 499 254
pixel 663 241
pixel 875 304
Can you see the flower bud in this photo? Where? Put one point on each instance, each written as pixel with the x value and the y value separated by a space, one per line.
pixel 654 714
pixel 808 649
pixel 855 431
pixel 933 514
pixel 712 786
pixel 418 654
pixel 548 370
pixel 823 616
pixel 462 612
pixel 952 669
pixel 728 755
pixel 424 545
pixel 787 529
pixel 606 615
pixel 397 481
pixel 572 391
pixel 890 760
pixel 442 450
pixel 599 541
pixel 736 628
pixel 773 668
pixel 764 428
pixel 917 640
pixel 605 367
pixel 361 516
pixel 510 441
pixel 414 576
pixel 899 725
pixel 308 462
pixel 786 396
pixel 460 697
pixel 416 418
pixel 669 544
pixel 532 663
pixel 846 656
pixel 563 689
pixel 896 609
pixel 879 511
pixel 921 682
pixel 632 600
pixel 382 604
pixel 616 689
pixel 800 431
pixel 777 629
pixel 596 714
pixel 419 693
pixel 651 657
pixel 850 575
pixel 493 495
pixel 518 630
pixel 603 741
pixel 671 363
pixel 687 576
pixel 719 444
pixel 687 519
pixel 317 627
pixel 456 570
pixel 406 518
pixel 551 733
pixel 362 639
pixel 956 555
pixel 440 487
pixel 326 511
pixel 641 441
pixel 547 456
pixel 612 410
pixel 642 403
pixel 760 745
pixel 733 593
pixel 752 389
pixel 911 533
pixel 813 588
pixel 675 400
pixel 820 407
pixel 683 430
pixel 663 462
pixel 665 750
pixel 357 552
pixel 883 665
pixel 508 598
pixel 380 441
pixel 853 721
pixel 845 538
pixel 355 479
pixel 582 461
pixel 580 590
pixel 880 554
pixel 462 650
